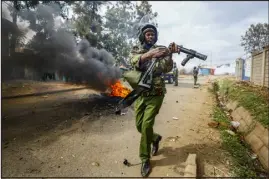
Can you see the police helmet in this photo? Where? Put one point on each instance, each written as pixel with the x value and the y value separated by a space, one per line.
pixel 146 28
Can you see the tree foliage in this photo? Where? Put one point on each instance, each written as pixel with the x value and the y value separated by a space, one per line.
pixel 256 37
pixel 145 9
pixel 118 28
pixel 88 22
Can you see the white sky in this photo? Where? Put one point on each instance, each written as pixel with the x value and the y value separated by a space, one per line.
pixel 213 28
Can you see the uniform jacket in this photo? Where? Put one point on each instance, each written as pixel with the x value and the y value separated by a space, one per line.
pixel 162 66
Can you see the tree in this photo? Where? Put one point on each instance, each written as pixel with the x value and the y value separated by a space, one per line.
pixel 88 22
pixel 145 9
pixel 118 28
pixel 122 24
pixel 255 37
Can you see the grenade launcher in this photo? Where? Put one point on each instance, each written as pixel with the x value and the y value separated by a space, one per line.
pixel 145 81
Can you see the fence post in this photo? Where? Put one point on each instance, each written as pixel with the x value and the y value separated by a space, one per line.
pixel 263 66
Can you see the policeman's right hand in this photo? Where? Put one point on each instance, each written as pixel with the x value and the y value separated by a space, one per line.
pixel 159 52
pixel 155 53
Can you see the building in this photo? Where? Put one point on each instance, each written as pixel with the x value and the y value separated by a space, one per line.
pixel 205 70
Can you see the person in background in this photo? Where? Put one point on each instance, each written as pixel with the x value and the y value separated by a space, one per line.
pixel 195 74
pixel 175 73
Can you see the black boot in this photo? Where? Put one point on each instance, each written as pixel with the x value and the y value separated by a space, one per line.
pixel 155 145
pixel 145 169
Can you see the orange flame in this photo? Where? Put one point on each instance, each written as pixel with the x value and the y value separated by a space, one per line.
pixel 119 90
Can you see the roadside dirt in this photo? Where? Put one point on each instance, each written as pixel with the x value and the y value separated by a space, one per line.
pixel 76 134
pixel 24 87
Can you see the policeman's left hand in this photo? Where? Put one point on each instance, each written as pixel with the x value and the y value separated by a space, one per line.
pixel 173 47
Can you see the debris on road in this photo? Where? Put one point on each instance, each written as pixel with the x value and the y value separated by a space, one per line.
pixel 173 139
pixel 126 163
pixel 254 156
pixel 45 96
pixel 95 164
pixel 235 124
pixel 213 124
pixel 175 118
pixel 217 124
pixel 230 132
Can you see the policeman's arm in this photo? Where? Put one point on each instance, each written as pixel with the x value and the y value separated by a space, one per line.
pixel 166 64
pixel 135 59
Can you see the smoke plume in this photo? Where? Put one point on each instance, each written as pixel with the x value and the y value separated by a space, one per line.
pixel 59 52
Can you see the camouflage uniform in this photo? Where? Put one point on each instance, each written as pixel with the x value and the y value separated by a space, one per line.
pixel 195 75
pixel 147 106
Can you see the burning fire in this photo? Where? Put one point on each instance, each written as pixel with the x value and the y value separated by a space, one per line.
pixel 119 90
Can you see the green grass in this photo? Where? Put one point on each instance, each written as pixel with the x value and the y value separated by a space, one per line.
pixel 243 165
pixel 249 98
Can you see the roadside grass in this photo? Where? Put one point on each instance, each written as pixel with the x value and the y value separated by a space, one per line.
pixel 242 163
pixel 252 98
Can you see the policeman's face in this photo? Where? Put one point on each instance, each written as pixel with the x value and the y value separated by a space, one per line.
pixel 149 37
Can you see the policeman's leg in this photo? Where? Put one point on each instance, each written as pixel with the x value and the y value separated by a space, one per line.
pixel 153 105
pixel 139 112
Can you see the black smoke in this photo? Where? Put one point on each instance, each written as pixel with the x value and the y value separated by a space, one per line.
pixel 56 50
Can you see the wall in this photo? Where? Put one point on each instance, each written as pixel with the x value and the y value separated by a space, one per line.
pixel 259 68
pixel 266 69
pixel 254 133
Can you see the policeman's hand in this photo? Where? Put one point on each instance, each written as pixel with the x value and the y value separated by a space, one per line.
pixel 154 53
pixel 174 48
pixel 160 52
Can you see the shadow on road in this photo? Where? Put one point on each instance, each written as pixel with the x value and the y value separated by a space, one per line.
pixel 50 118
pixel 185 85
pixel 176 156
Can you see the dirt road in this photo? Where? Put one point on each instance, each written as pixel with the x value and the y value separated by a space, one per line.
pixel 76 134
